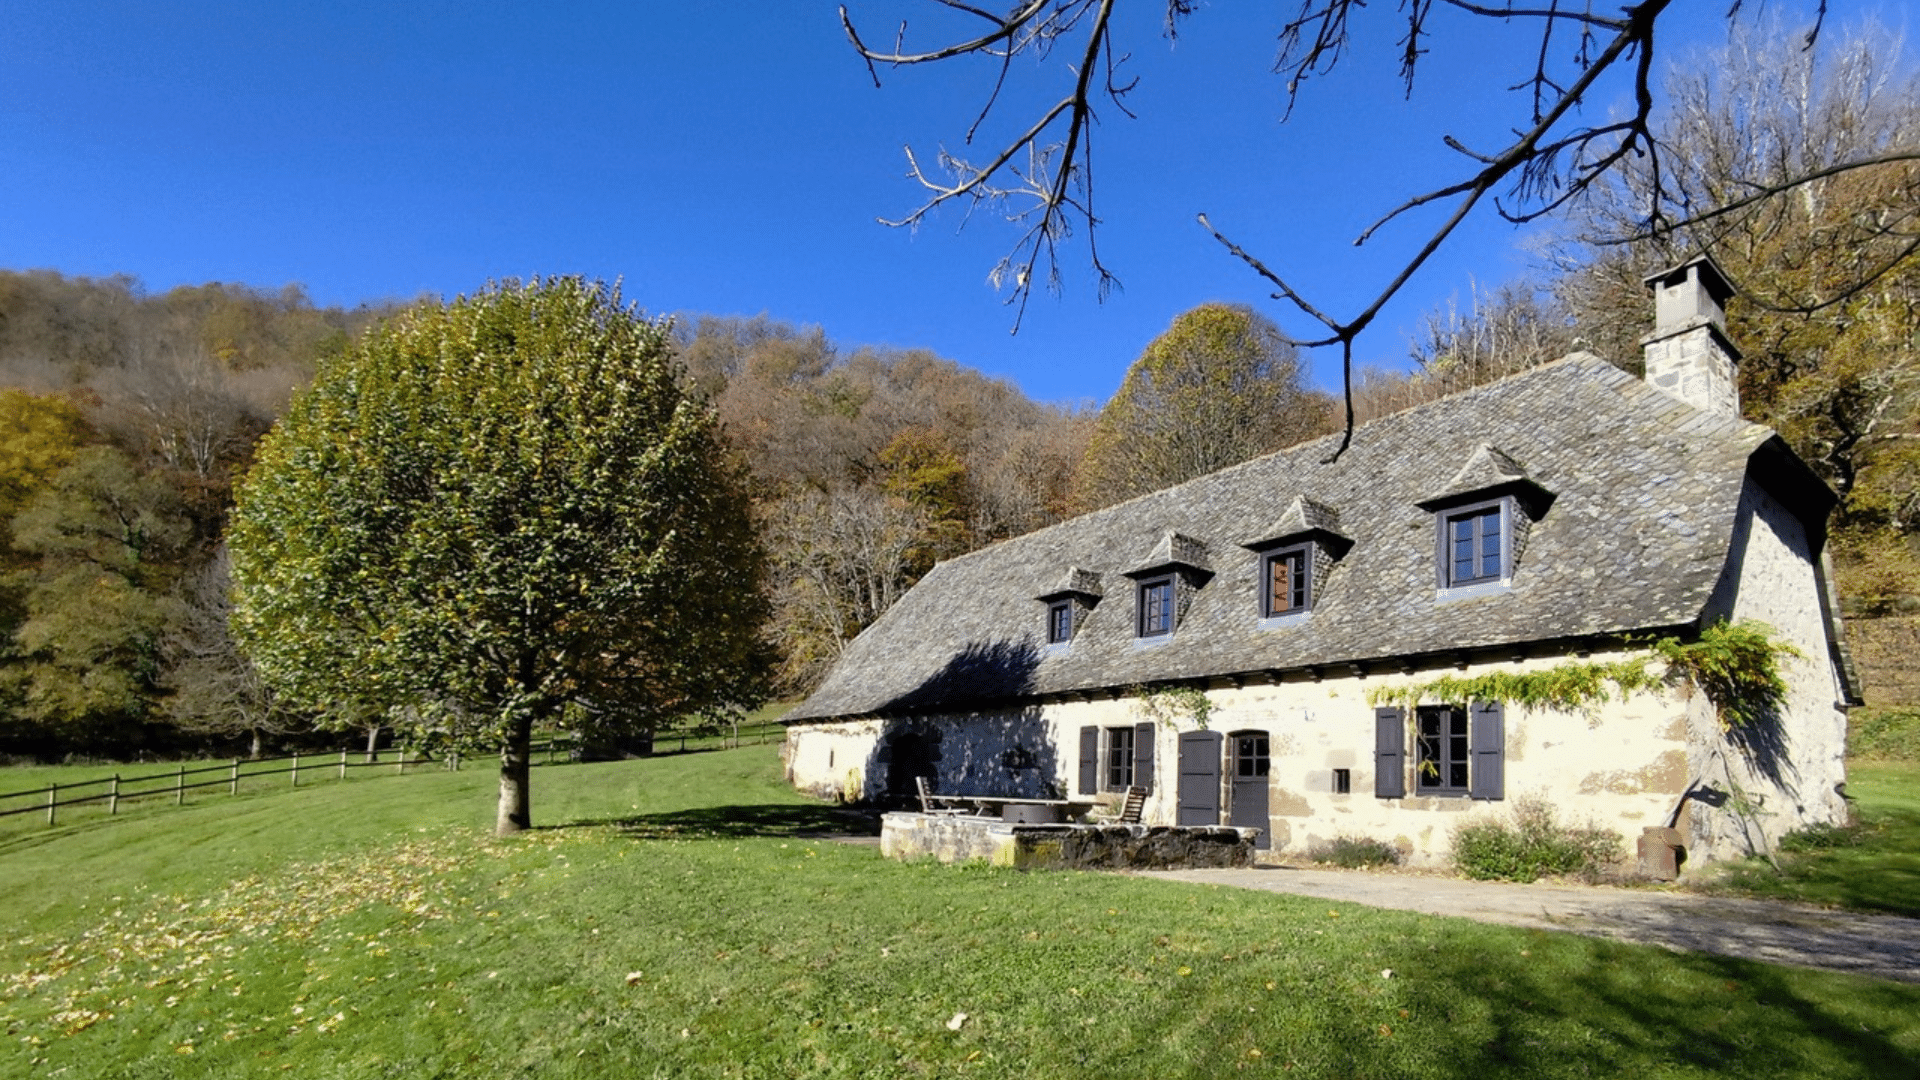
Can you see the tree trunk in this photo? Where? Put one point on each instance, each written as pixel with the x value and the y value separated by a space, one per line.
pixel 373 742
pixel 516 803
pixel 253 749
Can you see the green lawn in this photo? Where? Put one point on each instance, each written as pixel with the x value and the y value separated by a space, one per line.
pixel 1874 866
pixel 688 921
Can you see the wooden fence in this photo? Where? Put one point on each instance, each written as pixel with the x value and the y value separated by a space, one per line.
pixel 117 789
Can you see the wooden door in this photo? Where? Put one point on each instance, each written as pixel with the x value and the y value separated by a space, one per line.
pixel 1199 778
pixel 1247 801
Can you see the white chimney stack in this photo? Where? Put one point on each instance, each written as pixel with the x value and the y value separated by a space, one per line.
pixel 1689 354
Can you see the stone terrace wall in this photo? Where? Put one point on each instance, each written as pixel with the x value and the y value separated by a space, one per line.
pixel 1886 652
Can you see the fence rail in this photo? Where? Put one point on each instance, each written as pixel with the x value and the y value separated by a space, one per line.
pixel 117 789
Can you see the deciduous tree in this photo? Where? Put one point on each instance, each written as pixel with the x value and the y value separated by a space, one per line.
pixel 87 650
pixel 498 514
pixel 1219 387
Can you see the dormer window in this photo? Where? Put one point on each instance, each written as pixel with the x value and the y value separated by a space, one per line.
pixel 1475 542
pixel 1156 607
pixel 1288 574
pixel 1059 622
pixel 1481 520
pixel 1165 584
pixel 1069 602
pixel 1296 554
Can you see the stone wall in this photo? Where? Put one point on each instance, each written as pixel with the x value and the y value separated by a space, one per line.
pixel 1787 772
pixel 958 838
pixel 1886 651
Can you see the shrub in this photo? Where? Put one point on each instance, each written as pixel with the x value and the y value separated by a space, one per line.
pixel 1353 852
pixel 1531 845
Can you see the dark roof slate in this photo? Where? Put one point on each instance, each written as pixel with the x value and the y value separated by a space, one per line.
pixel 1303 517
pixel 1645 487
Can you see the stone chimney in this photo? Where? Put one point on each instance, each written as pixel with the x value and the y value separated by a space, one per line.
pixel 1689 354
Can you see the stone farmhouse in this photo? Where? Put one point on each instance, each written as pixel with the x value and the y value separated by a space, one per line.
pixel 1228 643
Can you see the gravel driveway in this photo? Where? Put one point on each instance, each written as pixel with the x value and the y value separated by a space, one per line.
pixel 1883 946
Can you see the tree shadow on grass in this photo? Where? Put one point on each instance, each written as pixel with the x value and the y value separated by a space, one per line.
pixel 1693 1011
pixel 738 822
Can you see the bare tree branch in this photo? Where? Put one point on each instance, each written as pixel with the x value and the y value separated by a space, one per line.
pixel 1545 168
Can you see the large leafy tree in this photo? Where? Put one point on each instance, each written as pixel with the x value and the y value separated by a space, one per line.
pixel 1219 387
pixel 86 651
pixel 499 514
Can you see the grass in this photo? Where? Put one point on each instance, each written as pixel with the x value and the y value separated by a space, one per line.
pixel 1872 866
pixel 690 921
pixel 759 727
pixel 1883 733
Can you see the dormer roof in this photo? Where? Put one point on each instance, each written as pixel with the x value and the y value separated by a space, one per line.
pixel 1174 551
pixel 1304 519
pixel 1488 472
pixel 1075 584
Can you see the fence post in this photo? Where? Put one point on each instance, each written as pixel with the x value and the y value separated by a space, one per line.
pixel 53 797
pixel 233 778
pixel 113 795
pixel 296 768
pixel 180 787
pixel 343 764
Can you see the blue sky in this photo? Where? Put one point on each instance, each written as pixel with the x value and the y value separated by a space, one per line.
pixel 728 158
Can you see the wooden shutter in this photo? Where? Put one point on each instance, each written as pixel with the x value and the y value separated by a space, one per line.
pixel 1143 756
pixel 1488 739
pixel 1389 753
pixel 1089 760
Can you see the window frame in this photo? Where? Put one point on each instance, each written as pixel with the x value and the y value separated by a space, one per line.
pixel 1060 622
pixel 1250 755
pixel 1116 758
pixel 1303 581
pixel 1455 752
pixel 1167 613
pixel 1444 562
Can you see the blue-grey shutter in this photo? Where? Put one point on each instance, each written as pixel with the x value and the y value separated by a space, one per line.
pixel 1089 760
pixel 1197 791
pixel 1143 755
pixel 1389 753
pixel 1489 742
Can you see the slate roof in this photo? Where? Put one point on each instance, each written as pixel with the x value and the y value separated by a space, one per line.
pixel 1644 491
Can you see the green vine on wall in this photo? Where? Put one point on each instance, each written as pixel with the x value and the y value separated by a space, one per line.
pixel 1168 705
pixel 1737 665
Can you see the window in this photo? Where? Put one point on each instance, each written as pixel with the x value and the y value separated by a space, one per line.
pixel 1250 757
pixel 1059 622
pixel 1440 750
pixel 1119 755
pixel 1474 545
pixel 1457 751
pixel 1115 759
pixel 1343 781
pixel 1286 575
pixel 1156 607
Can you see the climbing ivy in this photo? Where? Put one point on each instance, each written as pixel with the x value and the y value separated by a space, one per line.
pixel 1167 705
pixel 1737 665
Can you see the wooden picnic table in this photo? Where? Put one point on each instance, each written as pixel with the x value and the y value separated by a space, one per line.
pixel 980 804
